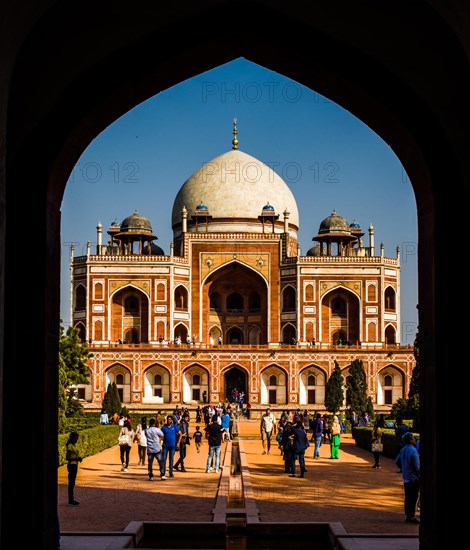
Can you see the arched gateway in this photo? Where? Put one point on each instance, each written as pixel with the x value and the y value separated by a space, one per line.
pixel 408 110
pixel 235 381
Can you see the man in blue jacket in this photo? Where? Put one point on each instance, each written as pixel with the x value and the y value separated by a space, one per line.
pixel 317 432
pixel 408 461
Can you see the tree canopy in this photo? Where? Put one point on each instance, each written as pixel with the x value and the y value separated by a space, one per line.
pixel 412 408
pixel 73 370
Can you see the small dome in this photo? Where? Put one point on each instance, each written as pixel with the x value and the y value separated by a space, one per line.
pixel 136 224
pixel 202 207
pixel 155 250
pixel 354 225
pixel 268 208
pixel 314 251
pixel 114 228
pixel 333 224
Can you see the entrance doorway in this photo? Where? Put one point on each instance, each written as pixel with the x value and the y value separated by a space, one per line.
pixel 235 385
pixel 272 395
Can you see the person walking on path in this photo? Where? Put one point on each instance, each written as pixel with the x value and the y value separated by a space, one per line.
pixel 225 423
pixel 300 444
pixel 171 441
pixel 215 431
pixel 335 432
pixel 154 436
pixel 126 439
pixel 317 432
pixel 400 430
pixel 409 464
pixel 197 436
pixel 141 439
pixel 73 457
pixel 377 439
pixel 184 441
pixel 267 429
pixel 287 446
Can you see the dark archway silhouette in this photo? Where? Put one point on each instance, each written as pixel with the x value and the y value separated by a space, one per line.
pixel 365 65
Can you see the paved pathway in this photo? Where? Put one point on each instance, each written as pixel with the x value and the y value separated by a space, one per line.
pixel 348 490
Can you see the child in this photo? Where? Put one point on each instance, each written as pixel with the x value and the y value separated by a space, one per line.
pixel 197 436
pixel 73 457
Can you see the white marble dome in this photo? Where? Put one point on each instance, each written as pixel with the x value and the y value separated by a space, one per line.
pixel 235 185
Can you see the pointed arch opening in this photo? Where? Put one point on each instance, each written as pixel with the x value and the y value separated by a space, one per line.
pixel 390 386
pixel 195 383
pixel 312 386
pixel 235 300
pixel 117 105
pixel 128 322
pixel 235 384
pixel 274 386
pixel 156 385
pixel 340 317
pixel 121 376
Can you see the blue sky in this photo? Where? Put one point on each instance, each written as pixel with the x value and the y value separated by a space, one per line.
pixel 329 158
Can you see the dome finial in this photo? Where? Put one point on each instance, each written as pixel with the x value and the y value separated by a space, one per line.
pixel 235 140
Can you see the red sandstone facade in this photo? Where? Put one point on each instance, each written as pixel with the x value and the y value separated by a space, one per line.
pixel 235 305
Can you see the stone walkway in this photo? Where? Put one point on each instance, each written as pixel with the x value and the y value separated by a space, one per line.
pixel 363 499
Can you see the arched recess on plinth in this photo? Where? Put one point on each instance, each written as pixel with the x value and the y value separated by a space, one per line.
pixel 273 386
pixel 156 385
pixel 312 386
pixel 195 383
pixel 391 385
pixel 121 376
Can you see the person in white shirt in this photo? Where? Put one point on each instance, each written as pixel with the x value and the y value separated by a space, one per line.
pixel 104 418
pixel 154 436
pixel 267 429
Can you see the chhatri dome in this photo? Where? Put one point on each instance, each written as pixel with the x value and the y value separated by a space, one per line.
pixel 235 188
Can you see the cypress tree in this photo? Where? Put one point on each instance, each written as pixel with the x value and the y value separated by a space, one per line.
pixel 334 394
pixel 107 401
pixel 356 388
pixel 116 400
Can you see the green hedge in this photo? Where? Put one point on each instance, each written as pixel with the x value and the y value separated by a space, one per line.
pixel 79 423
pixel 91 440
pixel 94 437
pixel 363 435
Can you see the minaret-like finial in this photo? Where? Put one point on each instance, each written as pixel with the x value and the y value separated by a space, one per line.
pixel 235 140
